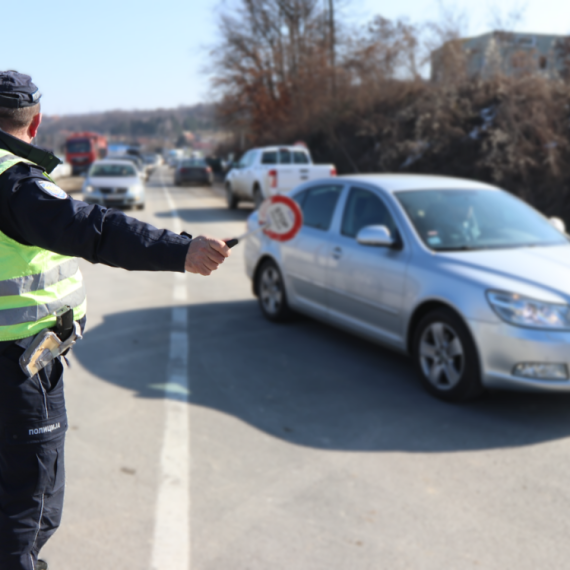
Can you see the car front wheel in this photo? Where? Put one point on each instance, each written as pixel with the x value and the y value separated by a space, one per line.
pixel 446 358
pixel 271 291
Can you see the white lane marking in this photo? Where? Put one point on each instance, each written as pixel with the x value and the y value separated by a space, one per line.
pixel 171 546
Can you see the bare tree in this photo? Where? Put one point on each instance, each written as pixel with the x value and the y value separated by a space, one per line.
pixel 273 62
pixel 503 18
pixel 443 44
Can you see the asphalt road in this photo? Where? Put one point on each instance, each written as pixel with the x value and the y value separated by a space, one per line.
pixel 308 449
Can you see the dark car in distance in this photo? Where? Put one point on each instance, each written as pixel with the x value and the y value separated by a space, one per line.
pixel 193 171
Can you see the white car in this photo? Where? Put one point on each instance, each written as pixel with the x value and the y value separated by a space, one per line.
pixel 470 281
pixel 264 172
pixel 114 183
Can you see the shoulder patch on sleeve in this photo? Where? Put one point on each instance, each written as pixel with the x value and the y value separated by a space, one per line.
pixel 51 189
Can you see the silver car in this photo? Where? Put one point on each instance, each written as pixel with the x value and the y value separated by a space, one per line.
pixel 470 281
pixel 114 182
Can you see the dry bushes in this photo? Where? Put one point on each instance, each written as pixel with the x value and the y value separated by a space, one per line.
pixel 508 131
pixel 368 110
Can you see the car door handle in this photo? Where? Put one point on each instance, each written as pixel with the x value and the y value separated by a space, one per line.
pixel 337 252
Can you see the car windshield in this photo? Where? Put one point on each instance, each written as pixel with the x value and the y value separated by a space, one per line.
pixel 131 158
pixel 79 145
pixel 194 162
pixel 449 220
pixel 112 170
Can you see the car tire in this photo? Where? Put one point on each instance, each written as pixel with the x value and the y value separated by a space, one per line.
pixel 140 206
pixel 446 358
pixel 257 197
pixel 231 198
pixel 271 293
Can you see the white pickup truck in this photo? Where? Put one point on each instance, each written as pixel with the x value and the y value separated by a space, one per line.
pixel 263 172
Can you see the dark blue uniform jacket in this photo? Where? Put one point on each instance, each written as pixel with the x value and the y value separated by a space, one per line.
pixel 32 216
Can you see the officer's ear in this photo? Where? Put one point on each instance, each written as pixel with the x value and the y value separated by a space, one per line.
pixel 34 126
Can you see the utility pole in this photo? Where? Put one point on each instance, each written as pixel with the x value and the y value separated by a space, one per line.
pixel 332 40
pixel 332 46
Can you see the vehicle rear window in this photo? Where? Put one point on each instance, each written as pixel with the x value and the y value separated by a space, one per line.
pixel 318 205
pixel 269 158
pixel 300 157
pixel 284 156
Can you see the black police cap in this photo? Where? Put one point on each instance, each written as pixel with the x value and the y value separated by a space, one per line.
pixel 17 90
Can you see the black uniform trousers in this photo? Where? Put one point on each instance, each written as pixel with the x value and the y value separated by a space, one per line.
pixel 33 422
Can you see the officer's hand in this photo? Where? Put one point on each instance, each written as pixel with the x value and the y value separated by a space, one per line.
pixel 205 254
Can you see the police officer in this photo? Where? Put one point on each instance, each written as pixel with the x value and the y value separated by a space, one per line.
pixel 42 232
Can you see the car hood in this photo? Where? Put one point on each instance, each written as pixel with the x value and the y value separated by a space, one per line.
pixel 539 272
pixel 113 181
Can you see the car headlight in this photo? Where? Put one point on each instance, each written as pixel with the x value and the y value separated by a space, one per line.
pixel 88 189
pixel 525 312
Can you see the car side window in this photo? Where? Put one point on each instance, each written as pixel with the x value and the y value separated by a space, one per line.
pixel 363 208
pixel 300 157
pixel 284 156
pixel 300 198
pixel 318 205
pixel 269 157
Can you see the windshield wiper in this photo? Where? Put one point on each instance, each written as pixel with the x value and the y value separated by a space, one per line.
pixel 459 248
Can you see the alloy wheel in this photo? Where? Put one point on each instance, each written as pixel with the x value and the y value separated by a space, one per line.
pixel 271 290
pixel 441 356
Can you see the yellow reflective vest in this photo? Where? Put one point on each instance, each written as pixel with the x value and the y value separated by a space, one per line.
pixel 34 282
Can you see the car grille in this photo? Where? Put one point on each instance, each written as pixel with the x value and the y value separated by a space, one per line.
pixel 113 190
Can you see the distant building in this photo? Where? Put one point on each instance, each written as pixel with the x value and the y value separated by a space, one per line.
pixel 506 53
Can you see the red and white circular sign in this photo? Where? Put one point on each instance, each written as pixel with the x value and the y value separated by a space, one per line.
pixel 282 217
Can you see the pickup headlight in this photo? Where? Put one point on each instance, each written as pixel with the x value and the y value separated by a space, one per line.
pixel 88 189
pixel 525 312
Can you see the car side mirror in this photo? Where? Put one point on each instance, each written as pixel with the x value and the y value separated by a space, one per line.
pixel 558 224
pixel 378 236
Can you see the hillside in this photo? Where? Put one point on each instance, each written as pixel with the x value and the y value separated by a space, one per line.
pixel 159 127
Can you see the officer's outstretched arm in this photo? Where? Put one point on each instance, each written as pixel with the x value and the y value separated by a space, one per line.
pixel 205 254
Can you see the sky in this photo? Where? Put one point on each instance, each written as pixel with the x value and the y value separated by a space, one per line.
pixel 111 54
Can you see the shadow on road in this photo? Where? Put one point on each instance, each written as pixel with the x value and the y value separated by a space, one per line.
pixel 204 215
pixel 312 385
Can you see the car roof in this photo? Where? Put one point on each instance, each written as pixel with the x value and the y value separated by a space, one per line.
pixel 130 158
pixel 280 147
pixel 394 182
pixel 113 161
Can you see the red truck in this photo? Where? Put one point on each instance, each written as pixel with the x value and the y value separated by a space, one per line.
pixel 83 149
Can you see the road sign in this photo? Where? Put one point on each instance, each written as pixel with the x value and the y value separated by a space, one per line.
pixel 280 218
